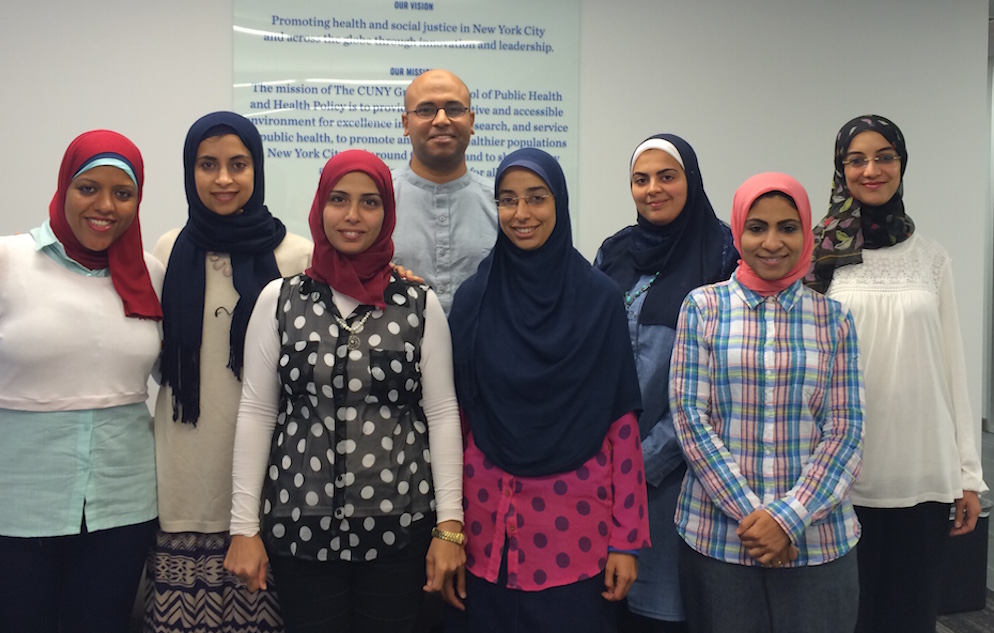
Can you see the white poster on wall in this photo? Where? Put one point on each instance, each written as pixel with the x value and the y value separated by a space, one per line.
pixel 320 77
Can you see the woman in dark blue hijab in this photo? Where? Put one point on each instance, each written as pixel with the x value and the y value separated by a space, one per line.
pixel 554 485
pixel 676 244
pixel 218 263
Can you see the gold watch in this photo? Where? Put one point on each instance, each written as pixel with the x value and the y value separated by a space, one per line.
pixel 453 537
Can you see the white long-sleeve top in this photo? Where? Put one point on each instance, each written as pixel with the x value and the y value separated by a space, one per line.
pixel 919 444
pixel 258 409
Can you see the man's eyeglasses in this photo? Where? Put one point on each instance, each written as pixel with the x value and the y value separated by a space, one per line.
pixel 429 111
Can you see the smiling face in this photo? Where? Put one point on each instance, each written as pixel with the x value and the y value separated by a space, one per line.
pixel 527 224
pixel 224 174
pixel 773 238
pixel 438 144
pixel 353 213
pixel 101 204
pixel 659 186
pixel 876 183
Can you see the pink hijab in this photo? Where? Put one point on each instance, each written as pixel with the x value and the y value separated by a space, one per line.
pixel 744 198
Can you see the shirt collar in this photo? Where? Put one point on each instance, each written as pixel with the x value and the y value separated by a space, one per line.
pixel 434 187
pixel 787 298
pixel 46 242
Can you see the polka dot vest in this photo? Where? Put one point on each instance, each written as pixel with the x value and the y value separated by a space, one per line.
pixel 349 465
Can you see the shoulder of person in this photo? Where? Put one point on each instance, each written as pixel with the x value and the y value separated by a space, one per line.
pixel 293 254
pixel 156 270
pixel 164 247
pixel 16 238
pixel 930 247
pixel 600 283
pixel 611 241
pixel 710 294
pixel 399 284
pixel 485 183
pixel 834 306
pixel 22 241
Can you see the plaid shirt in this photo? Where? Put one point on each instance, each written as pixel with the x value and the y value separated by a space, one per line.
pixel 767 401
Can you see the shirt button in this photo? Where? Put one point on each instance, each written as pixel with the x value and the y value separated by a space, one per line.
pixel 510 528
pixel 507 492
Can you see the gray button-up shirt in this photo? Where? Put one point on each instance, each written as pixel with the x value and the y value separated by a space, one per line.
pixel 443 230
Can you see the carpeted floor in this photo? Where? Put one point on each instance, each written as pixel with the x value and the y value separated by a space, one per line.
pixel 972 622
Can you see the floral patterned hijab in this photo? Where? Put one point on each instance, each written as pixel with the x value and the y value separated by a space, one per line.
pixel 851 226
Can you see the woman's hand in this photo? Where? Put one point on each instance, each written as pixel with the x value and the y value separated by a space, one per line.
pixel 247 559
pixel 763 538
pixel 445 567
pixel 619 575
pixel 967 512
pixel 405 273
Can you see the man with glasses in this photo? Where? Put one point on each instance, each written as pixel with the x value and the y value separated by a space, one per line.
pixel 446 217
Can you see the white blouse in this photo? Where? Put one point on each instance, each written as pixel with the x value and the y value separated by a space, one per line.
pixel 919 431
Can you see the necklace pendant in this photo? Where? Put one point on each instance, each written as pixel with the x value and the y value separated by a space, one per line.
pixel 353 343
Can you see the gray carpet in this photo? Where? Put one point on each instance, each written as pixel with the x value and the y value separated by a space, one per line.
pixel 972 622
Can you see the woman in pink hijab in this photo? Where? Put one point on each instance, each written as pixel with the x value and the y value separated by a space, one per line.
pixel 767 402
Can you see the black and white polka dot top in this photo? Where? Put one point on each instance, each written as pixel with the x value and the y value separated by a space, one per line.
pixel 349 463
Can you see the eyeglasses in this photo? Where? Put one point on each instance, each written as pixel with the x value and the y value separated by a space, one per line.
pixel 430 111
pixel 860 162
pixel 534 200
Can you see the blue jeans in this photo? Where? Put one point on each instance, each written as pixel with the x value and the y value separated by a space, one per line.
pixel 722 597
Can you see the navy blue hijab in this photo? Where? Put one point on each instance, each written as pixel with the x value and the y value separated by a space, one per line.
pixel 693 250
pixel 249 237
pixel 540 343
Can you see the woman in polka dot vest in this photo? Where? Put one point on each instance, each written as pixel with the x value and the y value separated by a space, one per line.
pixel 554 486
pixel 348 435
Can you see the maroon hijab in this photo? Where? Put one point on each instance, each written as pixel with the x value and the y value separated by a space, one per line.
pixel 365 275
pixel 125 257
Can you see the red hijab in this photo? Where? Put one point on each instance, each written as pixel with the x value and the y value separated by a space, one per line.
pixel 744 198
pixel 363 276
pixel 124 257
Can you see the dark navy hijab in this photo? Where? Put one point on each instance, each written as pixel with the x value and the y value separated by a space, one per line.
pixel 249 237
pixel 540 343
pixel 693 250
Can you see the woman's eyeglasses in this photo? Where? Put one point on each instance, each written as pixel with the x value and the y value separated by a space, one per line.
pixel 510 202
pixel 860 162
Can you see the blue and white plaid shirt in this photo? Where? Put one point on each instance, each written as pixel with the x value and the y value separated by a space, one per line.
pixel 767 401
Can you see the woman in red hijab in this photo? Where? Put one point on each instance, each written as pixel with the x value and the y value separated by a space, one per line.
pixel 347 369
pixel 78 339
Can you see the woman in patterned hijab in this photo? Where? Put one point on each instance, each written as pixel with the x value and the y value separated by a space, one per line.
pixel 919 457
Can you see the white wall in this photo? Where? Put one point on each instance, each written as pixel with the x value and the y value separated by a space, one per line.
pixel 754 85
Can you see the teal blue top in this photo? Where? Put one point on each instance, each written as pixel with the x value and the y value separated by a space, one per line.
pixel 59 467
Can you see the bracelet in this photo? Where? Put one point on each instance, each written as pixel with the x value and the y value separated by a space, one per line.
pixel 453 537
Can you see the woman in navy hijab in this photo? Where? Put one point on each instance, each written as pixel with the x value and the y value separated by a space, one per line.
pixel 554 486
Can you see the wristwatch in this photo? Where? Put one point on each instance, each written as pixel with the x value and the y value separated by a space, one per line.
pixel 453 537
